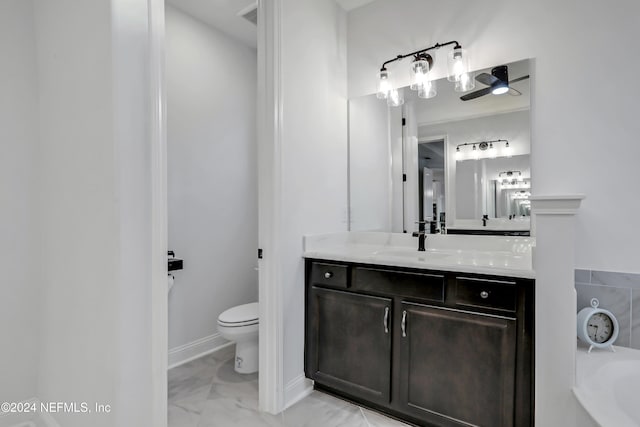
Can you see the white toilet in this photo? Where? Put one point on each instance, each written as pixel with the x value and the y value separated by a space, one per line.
pixel 240 324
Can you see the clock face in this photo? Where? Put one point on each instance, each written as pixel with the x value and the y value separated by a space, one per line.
pixel 600 328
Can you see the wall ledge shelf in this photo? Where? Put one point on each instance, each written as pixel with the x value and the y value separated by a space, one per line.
pixel 556 204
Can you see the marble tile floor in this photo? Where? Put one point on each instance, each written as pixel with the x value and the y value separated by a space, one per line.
pixel 209 393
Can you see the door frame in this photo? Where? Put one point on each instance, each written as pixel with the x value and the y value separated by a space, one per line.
pixel 269 126
pixel 159 214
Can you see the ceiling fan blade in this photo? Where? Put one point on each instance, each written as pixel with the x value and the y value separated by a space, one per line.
pixel 514 92
pixel 476 94
pixel 487 79
pixel 519 79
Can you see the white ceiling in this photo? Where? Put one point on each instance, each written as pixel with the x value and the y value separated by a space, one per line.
pixel 223 15
pixel 447 106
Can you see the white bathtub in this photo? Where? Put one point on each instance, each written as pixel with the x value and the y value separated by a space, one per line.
pixel 608 386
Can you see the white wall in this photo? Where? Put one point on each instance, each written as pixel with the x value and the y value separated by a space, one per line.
pixel 19 301
pixel 77 357
pixel 212 174
pixel 369 165
pixel 577 126
pixel 312 152
pixel 94 161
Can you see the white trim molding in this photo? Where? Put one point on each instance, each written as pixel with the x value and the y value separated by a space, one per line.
pixel 556 204
pixel 196 349
pixel 553 217
pixel 158 159
pixel 296 390
pixel 271 370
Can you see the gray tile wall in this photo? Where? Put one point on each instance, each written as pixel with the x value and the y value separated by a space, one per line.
pixel 617 292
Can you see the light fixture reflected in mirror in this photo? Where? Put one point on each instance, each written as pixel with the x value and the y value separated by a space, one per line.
pixel 395 98
pixel 428 90
pixel 482 147
pixel 508 152
pixel 492 151
pixel 513 179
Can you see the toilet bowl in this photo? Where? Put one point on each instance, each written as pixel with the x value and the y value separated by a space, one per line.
pixel 240 324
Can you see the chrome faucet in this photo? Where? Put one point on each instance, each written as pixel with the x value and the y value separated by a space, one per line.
pixel 420 234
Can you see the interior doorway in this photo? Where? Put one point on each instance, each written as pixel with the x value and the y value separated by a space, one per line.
pixel 431 184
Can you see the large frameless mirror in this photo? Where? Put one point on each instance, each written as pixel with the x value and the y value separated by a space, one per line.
pixel 461 164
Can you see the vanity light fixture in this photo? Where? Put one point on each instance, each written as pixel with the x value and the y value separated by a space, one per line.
pixel 477 147
pixel 492 150
pixel 513 179
pixel 521 195
pixel 421 81
pixel 510 174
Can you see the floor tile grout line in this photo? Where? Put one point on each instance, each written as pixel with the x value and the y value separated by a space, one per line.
pixel 364 416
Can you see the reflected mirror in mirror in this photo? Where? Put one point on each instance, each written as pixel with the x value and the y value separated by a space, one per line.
pixel 440 159
pixel 497 187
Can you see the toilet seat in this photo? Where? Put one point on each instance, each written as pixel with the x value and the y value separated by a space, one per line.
pixel 239 316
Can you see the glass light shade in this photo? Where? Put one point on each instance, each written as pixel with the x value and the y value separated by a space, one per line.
pixel 384 84
pixel 458 154
pixel 507 150
pixel 492 151
pixel 419 70
pixel 458 64
pixel 395 98
pixel 428 89
pixel 466 83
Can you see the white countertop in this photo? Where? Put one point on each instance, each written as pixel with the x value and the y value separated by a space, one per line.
pixel 494 255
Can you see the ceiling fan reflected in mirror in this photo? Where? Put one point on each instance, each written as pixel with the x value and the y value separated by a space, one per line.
pixel 497 83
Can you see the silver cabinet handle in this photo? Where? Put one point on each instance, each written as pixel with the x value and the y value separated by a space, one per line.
pixel 386 320
pixel 404 323
pixel 328 275
pixel 484 294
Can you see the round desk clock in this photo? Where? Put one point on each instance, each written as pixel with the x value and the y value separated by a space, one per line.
pixel 597 327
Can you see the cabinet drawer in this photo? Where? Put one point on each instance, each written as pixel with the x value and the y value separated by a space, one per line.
pixel 498 295
pixel 327 274
pixel 400 283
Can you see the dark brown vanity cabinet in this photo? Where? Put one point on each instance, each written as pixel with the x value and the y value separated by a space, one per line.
pixel 457 366
pixel 432 348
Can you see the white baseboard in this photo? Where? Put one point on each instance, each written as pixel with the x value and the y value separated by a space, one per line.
pixel 296 390
pixel 195 349
pixel 27 419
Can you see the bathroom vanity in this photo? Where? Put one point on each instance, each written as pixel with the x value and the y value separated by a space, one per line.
pixel 436 338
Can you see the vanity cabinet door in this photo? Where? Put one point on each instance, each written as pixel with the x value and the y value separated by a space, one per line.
pixel 349 343
pixel 457 368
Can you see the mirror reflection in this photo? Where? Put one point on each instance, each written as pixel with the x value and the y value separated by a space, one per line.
pixel 459 164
